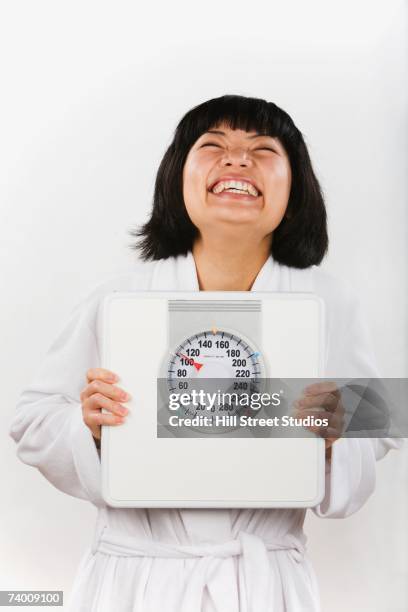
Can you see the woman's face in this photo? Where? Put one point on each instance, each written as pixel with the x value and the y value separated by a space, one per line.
pixel 237 178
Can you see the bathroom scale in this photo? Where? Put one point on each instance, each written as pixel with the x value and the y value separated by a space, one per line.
pixel 212 377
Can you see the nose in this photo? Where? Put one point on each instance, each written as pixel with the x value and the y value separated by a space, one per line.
pixel 236 157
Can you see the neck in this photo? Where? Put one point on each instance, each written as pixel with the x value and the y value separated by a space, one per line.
pixel 227 265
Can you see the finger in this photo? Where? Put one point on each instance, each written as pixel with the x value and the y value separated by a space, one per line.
pixel 323 387
pixel 102 418
pixel 98 401
pixel 329 433
pixel 106 389
pixel 95 430
pixel 102 374
pixel 333 420
pixel 94 421
pixel 328 442
pixel 333 424
pixel 96 434
pixel 318 415
pixel 326 400
pixel 325 432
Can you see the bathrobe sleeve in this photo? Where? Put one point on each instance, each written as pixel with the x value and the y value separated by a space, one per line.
pixel 48 426
pixel 351 473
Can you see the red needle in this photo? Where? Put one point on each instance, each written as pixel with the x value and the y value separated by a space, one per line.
pixel 197 366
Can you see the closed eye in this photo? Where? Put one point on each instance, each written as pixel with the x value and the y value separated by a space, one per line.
pixel 266 149
pixel 210 144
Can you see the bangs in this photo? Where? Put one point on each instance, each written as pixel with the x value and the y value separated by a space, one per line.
pixel 238 113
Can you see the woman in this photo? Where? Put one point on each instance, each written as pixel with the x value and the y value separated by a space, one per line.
pixel 236 207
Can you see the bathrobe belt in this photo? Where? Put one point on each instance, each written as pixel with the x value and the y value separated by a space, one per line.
pixel 255 572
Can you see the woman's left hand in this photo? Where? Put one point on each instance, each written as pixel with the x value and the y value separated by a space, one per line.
pixel 323 401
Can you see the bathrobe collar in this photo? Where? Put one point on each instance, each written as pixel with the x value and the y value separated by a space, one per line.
pixel 180 274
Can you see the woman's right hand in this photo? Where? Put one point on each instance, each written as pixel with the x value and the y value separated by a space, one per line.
pixel 100 392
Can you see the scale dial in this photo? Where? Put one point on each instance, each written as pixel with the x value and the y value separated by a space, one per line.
pixel 216 354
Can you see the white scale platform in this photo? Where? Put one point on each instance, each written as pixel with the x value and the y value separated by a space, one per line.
pixel 141 470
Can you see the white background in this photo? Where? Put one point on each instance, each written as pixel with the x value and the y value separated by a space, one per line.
pixel 91 93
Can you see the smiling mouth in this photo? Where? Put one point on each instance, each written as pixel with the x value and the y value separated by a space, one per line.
pixel 234 186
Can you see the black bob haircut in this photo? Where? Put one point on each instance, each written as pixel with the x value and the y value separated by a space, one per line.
pixel 301 238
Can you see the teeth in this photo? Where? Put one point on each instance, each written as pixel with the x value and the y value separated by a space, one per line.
pixel 235 187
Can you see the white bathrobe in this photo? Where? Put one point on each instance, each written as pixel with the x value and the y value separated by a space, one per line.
pixel 170 560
